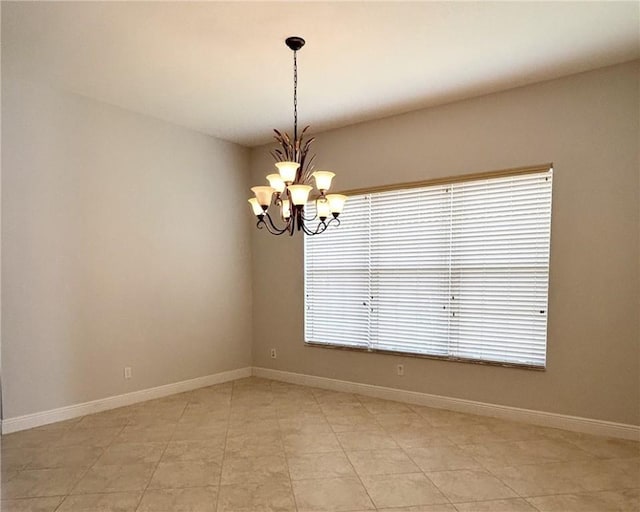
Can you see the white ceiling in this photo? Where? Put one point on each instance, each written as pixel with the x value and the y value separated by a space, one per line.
pixel 223 69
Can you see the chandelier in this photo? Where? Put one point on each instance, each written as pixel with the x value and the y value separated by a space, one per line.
pixel 280 206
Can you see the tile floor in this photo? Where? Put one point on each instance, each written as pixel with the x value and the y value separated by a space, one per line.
pixel 258 445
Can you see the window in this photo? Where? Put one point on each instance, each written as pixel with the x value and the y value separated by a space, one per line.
pixel 457 271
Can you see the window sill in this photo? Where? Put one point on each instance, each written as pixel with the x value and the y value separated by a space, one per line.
pixel 521 366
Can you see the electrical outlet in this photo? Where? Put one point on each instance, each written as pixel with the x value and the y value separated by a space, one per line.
pixel 400 369
pixel 273 353
pixel 127 372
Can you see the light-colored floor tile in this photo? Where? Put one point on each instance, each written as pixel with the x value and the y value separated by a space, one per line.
pixel 444 507
pixel 378 406
pixel 473 434
pixel 32 483
pixel 541 479
pixel 113 418
pixel 48 504
pixel 311 443
pixel 304 425
pixel 354 423
pixel 208 450
pixel 248 497
pixel 352 441
pixel 131 453
pixel 16 458
pixel 196 499
pixel 145 434
pixel 603 501
pixel 602 475
pixel 402 490
pixel 552 450
pixel 192 432
pixel 444 418
pixel 468 485
pixel 217 393
pixel 295 410
pixel 197 413
pixel 319 465
pixel 345 407
pixel 65 457
pixel 519 453
pixel 331 495
pixel 245 425
pixel 96 437
pixel 416 429
pixel 306 429
pixel 254 469
pixel 513 431
pixel 32 438
pixel 572 477
pixel 116 478
pixel 254 444
pixel 268 412
pixel 170 475
pixel 6 475
pixel 111 502
pixel 333 397
pixel 607 448
pixel 401 420
pixel 381 462
pixel 509 505
pixel 410 441
pixel 157 417
pixel 440 458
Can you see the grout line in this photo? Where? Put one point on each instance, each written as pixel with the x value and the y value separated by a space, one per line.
pixel 89 468
pixel 224 448
pixel 408 455
pixel 284 450
pixel 344 452
pixel 161 455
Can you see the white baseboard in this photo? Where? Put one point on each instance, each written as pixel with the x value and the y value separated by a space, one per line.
pixel 546 419
pixel 38 419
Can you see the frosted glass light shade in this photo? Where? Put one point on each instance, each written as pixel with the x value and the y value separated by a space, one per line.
pixel 323 179
pixel 323 209
pixel 263 195
pixel 276 182
pixel 288 171
pixel 299 194
pixel 286 209
pixel 336 202
pixel 255 205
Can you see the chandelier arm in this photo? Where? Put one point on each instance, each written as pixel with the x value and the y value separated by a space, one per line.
pixel 320 228
pixel 307 231
pixel 309 219
pixel 270 225
pixel 332 220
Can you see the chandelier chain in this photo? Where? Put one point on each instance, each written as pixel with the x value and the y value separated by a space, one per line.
pixel 295 98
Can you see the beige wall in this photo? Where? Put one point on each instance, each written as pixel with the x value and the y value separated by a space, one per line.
pixel 587 125
pixel 121 247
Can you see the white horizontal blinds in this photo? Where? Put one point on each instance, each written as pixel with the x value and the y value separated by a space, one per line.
pixel 409 271
pixel 458 270
pixel 500 268
pixel 337 279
